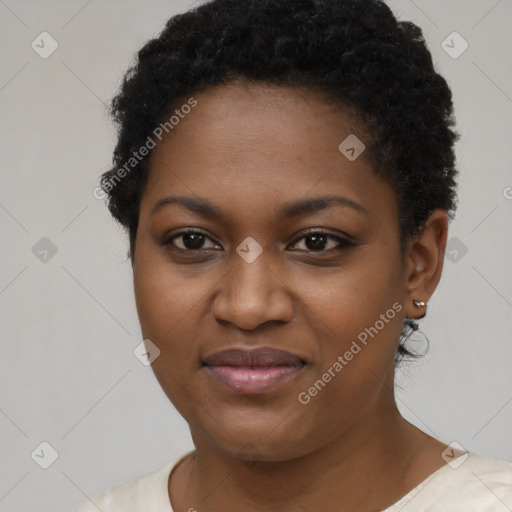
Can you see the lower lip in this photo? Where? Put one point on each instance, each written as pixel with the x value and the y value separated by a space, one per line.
pixel 244 379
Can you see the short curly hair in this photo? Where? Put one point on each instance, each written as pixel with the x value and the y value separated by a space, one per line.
pixel 354 53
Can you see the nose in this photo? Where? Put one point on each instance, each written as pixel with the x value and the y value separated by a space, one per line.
pixel 252 294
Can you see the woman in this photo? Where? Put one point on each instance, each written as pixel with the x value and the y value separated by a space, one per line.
pixel 286 174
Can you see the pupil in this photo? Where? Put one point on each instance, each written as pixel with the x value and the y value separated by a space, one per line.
pixel 318 241
pixel 193 240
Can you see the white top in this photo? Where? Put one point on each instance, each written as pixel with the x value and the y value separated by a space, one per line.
pixel 477 484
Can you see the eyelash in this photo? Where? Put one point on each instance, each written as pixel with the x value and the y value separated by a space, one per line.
pixel 344 243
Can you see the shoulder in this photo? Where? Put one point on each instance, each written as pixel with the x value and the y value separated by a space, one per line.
pixel 148 490
pixel 499 468
pixel 473 482
pixel 481 471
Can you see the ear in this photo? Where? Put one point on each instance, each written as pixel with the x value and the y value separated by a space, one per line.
pixel 424 260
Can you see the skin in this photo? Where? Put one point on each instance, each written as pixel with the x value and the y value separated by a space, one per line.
pixel 248 149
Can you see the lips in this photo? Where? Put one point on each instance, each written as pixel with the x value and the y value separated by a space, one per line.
pixel 253 371
pixel 254 358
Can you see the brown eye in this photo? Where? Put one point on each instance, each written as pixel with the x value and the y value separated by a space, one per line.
pixel 189 241
pixel 319 241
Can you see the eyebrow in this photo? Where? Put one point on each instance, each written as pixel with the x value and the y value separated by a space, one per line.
pixel 287 210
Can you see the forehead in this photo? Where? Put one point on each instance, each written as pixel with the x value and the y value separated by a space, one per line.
pixel 258 144
pixel 258 113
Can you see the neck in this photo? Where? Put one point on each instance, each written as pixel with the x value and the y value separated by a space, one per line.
pixel 368 468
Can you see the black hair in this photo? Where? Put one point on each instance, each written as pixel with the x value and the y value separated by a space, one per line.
pixel 354 53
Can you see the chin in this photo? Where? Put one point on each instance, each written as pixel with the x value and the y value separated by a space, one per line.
pixel 269 442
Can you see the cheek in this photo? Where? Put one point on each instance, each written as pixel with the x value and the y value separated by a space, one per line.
pixel 355 293
pixel 161 297
pixel 356 309
pixel 173 311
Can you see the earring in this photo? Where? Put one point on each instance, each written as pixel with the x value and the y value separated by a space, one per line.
pixel 420 305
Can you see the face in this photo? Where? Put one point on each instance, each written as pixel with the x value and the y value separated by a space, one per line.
pixel 294 254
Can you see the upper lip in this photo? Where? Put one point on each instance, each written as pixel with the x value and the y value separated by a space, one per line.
pixel 258 357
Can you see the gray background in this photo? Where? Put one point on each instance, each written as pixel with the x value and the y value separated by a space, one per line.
pixel 68 375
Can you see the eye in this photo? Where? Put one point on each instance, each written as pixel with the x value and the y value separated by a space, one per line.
pixel 190 240
pixel 314 241
pixel 319 241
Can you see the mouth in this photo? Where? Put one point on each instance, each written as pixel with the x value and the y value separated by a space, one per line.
pixel 253 371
